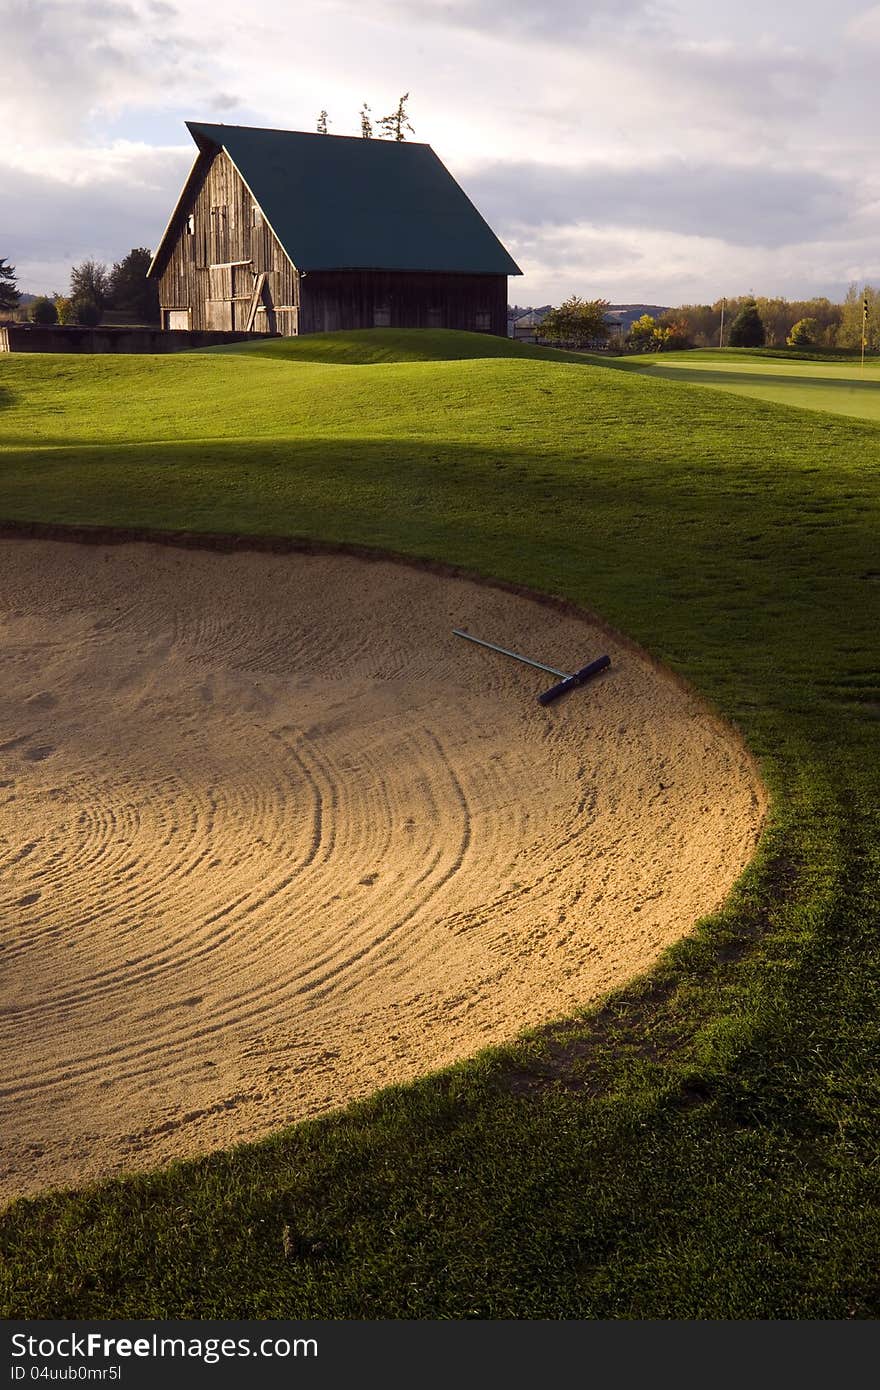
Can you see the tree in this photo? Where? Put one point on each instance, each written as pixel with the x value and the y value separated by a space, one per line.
pixel 747 329
pixel 130 290
pixel 323 122
pixel 85 310
pixel 90 280
pixel 676 331
pixel 577 323
pixel 641 334
pixel 394 125
pixel 366 123
pixel 9 295
pixel 64 309
pixel 803 333
pixel 853 322
pixel 43 311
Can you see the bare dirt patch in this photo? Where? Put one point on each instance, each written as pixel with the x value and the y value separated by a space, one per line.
pixel 272 837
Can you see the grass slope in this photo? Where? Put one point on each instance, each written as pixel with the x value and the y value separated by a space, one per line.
pixel 365 347
pixel 811 381
pixel 703 1145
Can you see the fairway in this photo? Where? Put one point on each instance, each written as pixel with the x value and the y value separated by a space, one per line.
pixel 843 388
pixel 701 1141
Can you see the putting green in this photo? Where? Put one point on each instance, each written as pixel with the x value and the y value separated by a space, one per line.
pixel 843 388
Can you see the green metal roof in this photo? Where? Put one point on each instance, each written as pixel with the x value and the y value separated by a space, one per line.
pixel 338 202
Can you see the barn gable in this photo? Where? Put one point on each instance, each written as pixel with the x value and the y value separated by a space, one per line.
pixel 219 264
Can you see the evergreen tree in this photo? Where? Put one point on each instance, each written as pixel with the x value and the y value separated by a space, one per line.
pixel 747 329
pixel 366 123
pixel 394 125
pixel 9 295
pixel 323 123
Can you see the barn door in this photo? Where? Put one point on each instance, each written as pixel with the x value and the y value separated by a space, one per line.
pixel 218 307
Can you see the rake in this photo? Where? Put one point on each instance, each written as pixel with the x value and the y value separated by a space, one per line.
pixel 567 681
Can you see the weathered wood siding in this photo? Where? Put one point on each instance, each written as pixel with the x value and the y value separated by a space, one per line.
pixel 224 269
pixel 332 299
pixel 219 251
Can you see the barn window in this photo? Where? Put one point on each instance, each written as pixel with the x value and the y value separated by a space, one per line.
pixel 256 216
pixel 483 322
pixel 191 224
pixel 435 318
pixel 382 314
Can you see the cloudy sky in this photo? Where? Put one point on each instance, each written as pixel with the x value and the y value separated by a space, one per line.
pixel 667 151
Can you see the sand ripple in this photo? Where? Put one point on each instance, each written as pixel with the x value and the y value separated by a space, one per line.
pixel 271 837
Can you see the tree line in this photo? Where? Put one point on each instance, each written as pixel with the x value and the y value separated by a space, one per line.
pixel 94 288
pixel 743 321
pixel 759 320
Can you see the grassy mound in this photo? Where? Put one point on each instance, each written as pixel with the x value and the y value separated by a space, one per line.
pixel 702 1146
pixel 367 347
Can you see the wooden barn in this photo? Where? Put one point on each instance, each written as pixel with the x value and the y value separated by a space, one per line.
pixel 279 231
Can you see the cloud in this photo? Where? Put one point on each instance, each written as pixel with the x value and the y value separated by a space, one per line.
pixel 744 205
pixel 865 27
pixel 224 101
pixel 556 23
pixel 122 200
pixel 71 61
pixel 658 267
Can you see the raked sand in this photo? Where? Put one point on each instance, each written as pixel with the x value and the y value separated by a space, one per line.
pixel 271 837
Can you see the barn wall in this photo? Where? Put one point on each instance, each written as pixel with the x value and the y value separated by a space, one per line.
pixel 333 299
pixel 212 272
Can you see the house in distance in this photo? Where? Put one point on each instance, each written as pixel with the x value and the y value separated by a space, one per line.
pixel 280 231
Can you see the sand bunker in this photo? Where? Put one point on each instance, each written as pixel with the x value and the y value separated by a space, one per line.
pixel 272 837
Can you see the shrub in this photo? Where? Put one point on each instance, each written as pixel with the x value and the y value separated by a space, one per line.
pixel 43 311
pixel 85 311
pixel 803 333
pixel 678 334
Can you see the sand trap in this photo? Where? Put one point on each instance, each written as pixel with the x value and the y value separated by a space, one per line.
pixel 271 837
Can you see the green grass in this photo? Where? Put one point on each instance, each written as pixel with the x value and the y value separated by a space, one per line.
pixel 812 381
pixel 704 1144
